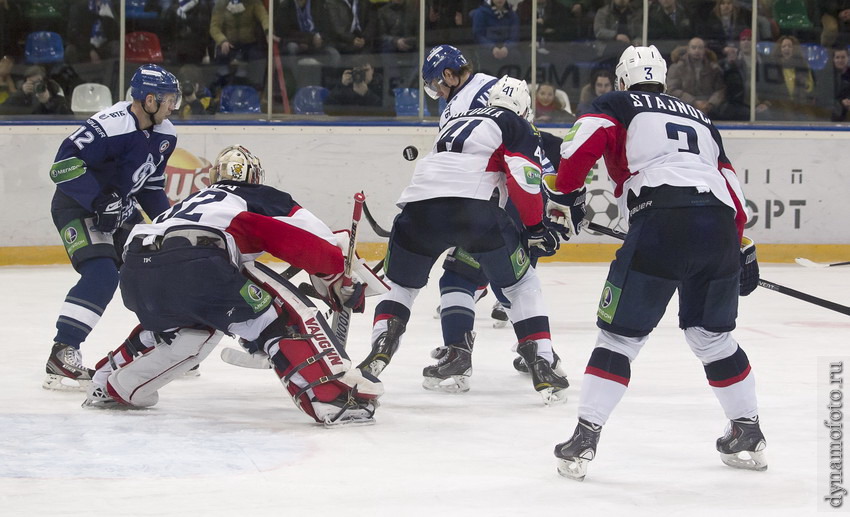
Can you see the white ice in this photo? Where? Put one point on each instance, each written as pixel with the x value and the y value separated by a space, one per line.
pixel 232 443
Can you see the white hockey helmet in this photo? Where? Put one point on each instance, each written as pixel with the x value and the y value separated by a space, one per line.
pixel 641 65
pixel 512 94
pixel 237 163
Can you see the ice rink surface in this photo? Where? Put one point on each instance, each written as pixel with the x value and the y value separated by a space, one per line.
pixel 231 442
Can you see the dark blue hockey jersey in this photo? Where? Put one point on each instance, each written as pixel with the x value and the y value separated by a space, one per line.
pixel 110 153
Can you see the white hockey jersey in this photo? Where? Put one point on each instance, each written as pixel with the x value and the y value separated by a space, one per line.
pixel 479 152
pixel 649 140
pixel 474 93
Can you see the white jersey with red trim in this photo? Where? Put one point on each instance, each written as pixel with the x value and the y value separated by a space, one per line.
pixel 253 219
pixel 479 152
pixel 649 140
pixel 474 93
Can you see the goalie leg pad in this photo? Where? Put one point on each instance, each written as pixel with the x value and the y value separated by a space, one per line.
pixel 137 381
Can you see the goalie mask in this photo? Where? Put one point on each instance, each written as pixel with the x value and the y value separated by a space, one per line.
pixel 236 163
pixel 641 65
pixel 511 94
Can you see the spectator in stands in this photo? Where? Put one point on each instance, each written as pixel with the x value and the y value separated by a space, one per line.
pixel 196 99
pixel 618 24
pixel 548 108
pixel 234 26
pixel 398 26
pixel 669 25
pixel 7 82
pixel 696 78
pixel 788 84
pixel 840 85
pixel 92 33
pixel 448 21
pixel 554 22
pixel 495 27
pixel 836 23
pixel 601 82
pixel 38 95
pixel 185 31
pixel 350 26
pixel 357 93
pixel 300 26
pixel 723 24
pixel 736 65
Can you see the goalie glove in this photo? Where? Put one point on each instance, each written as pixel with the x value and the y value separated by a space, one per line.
pixel 564 212
pixel 542 241
pixel 339 294
pixel 749 267
pixel 107 212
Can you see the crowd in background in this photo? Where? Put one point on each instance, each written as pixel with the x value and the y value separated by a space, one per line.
pixel 360 57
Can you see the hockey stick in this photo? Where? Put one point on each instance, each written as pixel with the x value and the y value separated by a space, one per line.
pixel 810 263
pixel 826 304
pixel 374 224
pixel 342 320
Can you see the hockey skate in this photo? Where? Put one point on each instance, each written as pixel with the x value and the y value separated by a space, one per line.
pixel 499 315
pixel 551 386
pixel 743 444
pixel 574 454
pixel 65 370
pixel 520 366
pixel 384 347
pixel 98 397
pixel 346 410
pixel 453 369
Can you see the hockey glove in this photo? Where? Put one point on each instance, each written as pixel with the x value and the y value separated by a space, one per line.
pixel 749 267
pixel 107 212
pixel 564 212
pixel 542 241
pixel 332 290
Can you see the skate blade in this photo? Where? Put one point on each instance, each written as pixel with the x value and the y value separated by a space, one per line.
pixel 746 460
pixel 499 324
pixel 62 383
pixel 454 384
pixel 575 469
pixel 351 422
pixel 553 396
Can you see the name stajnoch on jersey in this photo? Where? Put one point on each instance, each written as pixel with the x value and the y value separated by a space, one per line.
pixel 504 155
pixel 667 142
pixel 108 152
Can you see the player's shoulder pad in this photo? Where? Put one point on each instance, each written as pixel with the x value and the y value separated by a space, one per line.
pixel 166 128
pixel 114 121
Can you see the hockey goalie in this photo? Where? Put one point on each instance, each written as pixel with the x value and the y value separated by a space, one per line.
pixel 190 277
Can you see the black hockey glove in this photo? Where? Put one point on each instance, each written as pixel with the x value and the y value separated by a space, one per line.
pixel 107 212
pixel 542 241
pixel 564 212
pixel 749 267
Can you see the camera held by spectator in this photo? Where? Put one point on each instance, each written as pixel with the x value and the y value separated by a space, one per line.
pixel 358 74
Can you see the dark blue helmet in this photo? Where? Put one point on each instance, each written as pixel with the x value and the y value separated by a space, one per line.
pixel 153 79
pixel 440 58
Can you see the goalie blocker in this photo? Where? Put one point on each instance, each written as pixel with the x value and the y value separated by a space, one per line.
pixel 315 371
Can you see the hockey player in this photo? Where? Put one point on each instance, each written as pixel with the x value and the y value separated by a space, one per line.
pixel 686 215
pixel 447 74
pixel 189 278
pixel 113 161
pixel 457 198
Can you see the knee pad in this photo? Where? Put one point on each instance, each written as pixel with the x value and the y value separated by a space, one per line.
pixel 710 346
pixel 175 353
pixel 625 345
pixel 306 356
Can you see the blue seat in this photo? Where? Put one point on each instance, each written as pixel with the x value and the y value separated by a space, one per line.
pixel 407 102
pixel 817 55
pixel 44 47
pixel 239 99
pixel 310 100
pixel 136 10
pixel 764 48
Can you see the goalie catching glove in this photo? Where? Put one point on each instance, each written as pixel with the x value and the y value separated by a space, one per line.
pixel 749 267
pixel 564 212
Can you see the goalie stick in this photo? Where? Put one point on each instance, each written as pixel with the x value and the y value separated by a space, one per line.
pixel 826 304
pixel 342 320
pixel 810 263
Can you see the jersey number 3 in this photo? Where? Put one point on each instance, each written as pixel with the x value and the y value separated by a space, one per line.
pixel 675 132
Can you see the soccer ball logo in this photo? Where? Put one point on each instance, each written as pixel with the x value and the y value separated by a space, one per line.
pixel 602 209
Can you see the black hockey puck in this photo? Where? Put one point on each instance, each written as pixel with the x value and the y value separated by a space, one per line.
pixel 410 153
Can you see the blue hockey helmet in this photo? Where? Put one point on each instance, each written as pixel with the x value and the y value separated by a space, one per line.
pixel 155 80
pixel 440 58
